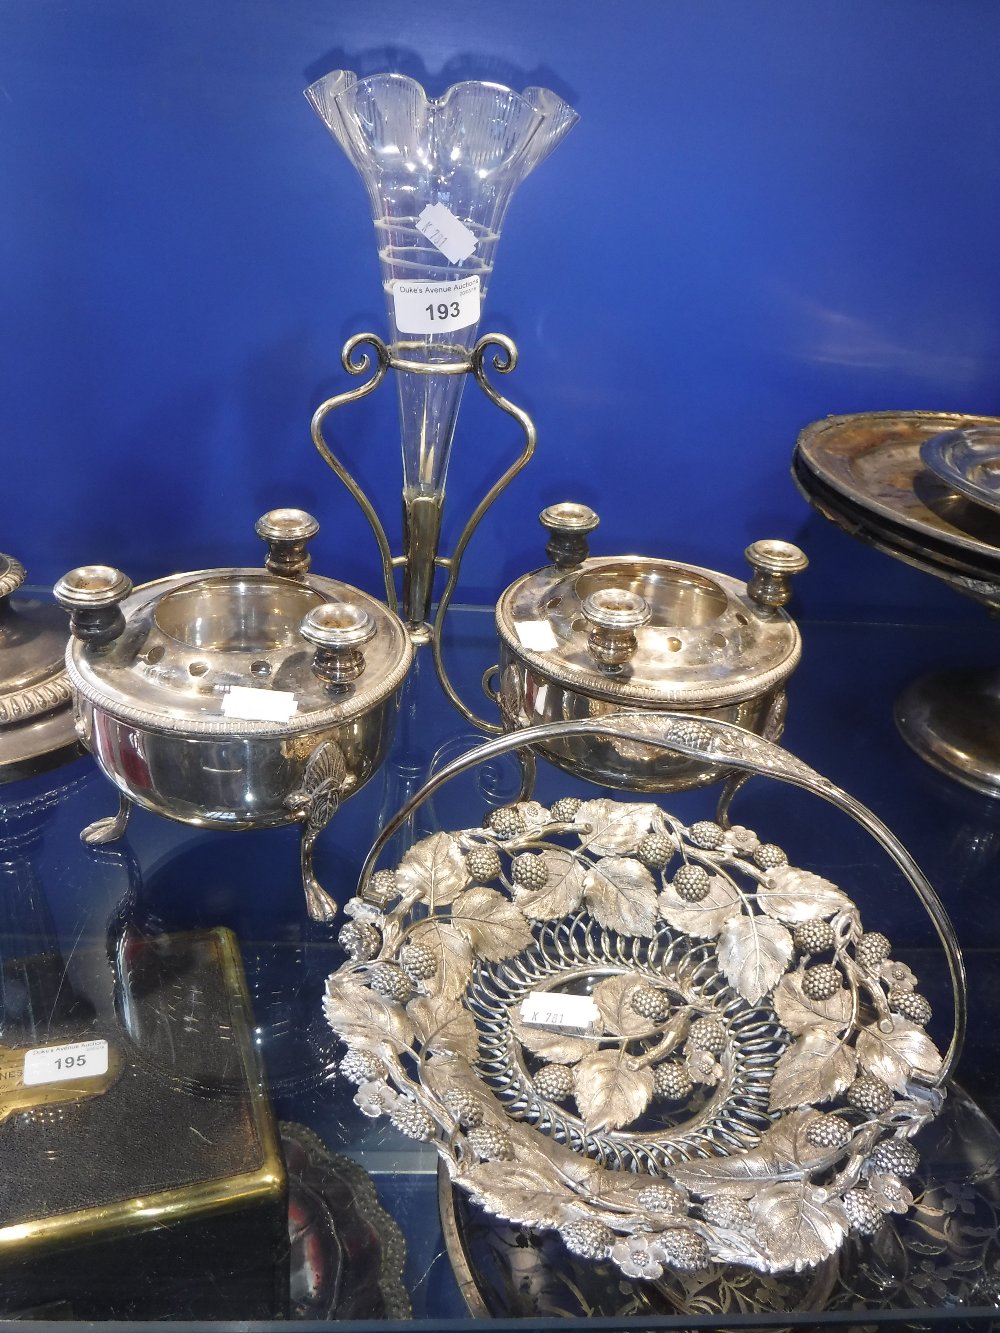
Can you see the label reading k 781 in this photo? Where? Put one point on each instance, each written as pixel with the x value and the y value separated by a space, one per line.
pixel 436 307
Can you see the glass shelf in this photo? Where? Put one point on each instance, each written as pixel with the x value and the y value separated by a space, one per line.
pixel 82 918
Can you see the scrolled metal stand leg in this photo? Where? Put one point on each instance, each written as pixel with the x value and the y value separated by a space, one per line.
pixel 774 726
pixel 109 829
pixel 320 906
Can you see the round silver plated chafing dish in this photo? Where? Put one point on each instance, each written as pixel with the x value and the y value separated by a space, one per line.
pixel 235 698
pixel 36 717
pixel 589 636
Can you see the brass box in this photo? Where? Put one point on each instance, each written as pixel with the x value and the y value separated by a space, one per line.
pixel 157 1190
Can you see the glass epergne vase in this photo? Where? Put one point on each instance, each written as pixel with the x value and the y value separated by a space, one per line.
pixel 440 175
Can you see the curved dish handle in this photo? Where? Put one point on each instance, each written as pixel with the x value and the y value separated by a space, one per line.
pixel 723 743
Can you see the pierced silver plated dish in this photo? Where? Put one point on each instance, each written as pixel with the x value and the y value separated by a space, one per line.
pixel 660 1040
pixel 590 636
pixel 235 698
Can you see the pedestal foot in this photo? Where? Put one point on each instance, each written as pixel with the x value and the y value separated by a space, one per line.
pixel 952 720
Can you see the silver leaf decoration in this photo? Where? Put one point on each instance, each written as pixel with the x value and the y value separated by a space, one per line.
pixel 452 951
pixel 621 894
pixel 563 891
pixel 556 1047
pixel 363 1018
pixel 613 998
pixel 800 1014
pixel 754 952
pixel 516 1190
pixel 896 1056
pixel 615 827
pixel 443 1025
pixel 609 1093
pixel 798 895
pixel 434 869
pixel 491 923
pixel 784 1147
pixel 703 919
pixel 814 1069
pixel 798 1225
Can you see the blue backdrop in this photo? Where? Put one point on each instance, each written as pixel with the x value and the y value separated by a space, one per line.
pixel 770 211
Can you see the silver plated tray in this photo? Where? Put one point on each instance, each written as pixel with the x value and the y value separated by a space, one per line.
pixel 969 461
pixel 723 1065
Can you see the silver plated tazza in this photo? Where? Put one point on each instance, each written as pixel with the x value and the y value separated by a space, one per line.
pixel 662 1041
pixel 867 473
pixel 588 636
pixel 235 698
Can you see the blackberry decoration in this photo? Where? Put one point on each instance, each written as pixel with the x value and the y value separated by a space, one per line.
pixel 590 1240
pixel 872 948
pixel 463 1107
pixel 412 1120
pixel 483 864
pixel 505 822
pixel 655 850
pixel 910 1005
pixel 813 936
pixel 706 834
pixel 685 1250
pixel 691 883
pixel 726 1210
pixel 863 1212
pixel 650 1003
pixel 870 1094
pixel 530 872
pixel 418 961
pixel 491 1143
pixel 564 810
pixel 894 1157
pixel 672 1082
pixel 828 1131
pixel 768 856
pixel 554 1082
pixel 390 981
pixel 707 1034
pixel 692 733
pixel 662 1198
pixel 362 1067
pixel 382 888
pixel 360 940
pixel 821 982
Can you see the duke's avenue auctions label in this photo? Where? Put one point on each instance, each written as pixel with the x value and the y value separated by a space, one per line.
pixel 259 705
pixel 436 307
pixel 59 1064
pixel 568 1013
pixel 446 233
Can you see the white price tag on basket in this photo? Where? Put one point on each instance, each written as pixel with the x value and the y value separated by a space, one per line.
pixel 569 1013
pixel 436 307
pixel 446 232
pixel 259 705
pixel 60 1064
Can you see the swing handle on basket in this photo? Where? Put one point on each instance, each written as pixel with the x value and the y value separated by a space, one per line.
pixel 723 743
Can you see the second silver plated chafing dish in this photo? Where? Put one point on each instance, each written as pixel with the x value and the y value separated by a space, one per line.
pixel 587 637
pixel 235 698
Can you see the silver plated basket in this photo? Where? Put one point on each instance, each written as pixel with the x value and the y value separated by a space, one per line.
pixel 661 1040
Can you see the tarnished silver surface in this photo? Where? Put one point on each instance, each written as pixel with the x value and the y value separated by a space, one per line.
pixel 36 716
pixel 153 673
pixel 689 639
pixel 746 1088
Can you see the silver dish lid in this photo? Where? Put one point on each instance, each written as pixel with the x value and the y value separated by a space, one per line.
pixel 36 719
pixel 233 651
pixel 633 629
